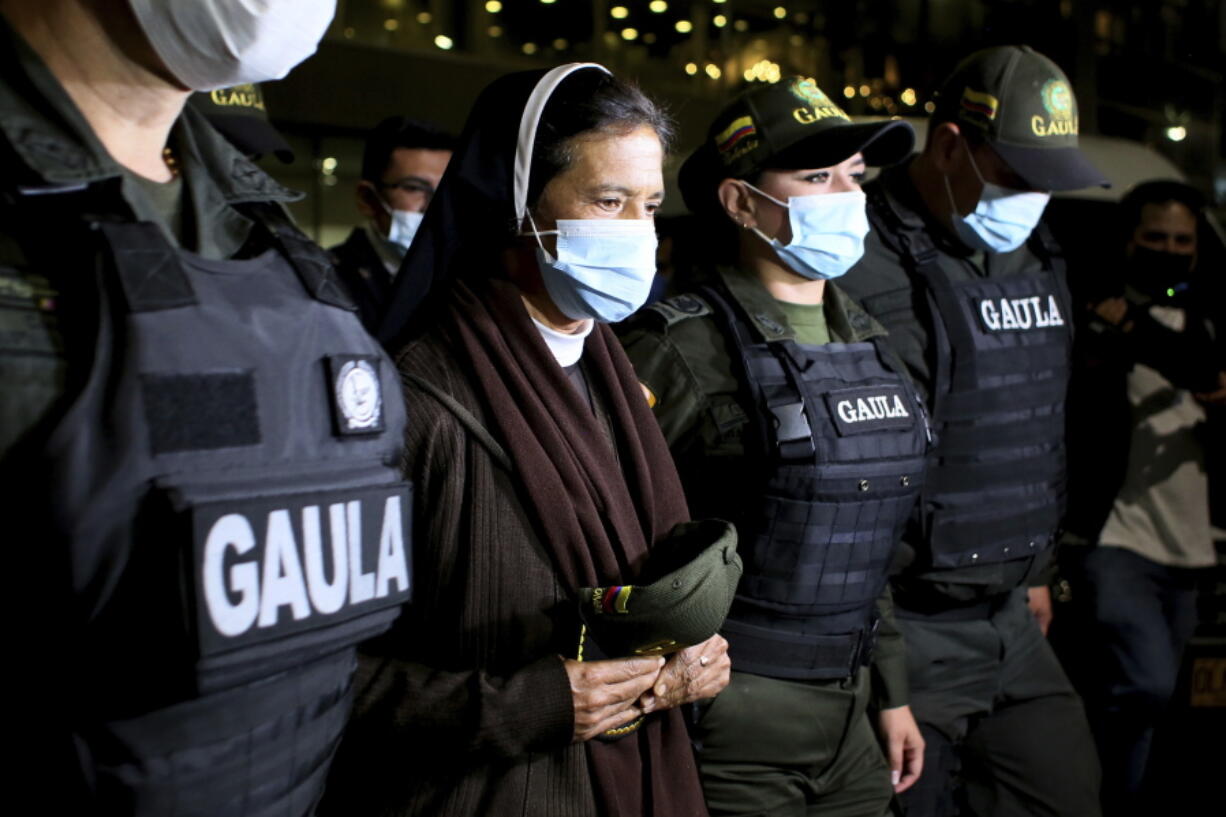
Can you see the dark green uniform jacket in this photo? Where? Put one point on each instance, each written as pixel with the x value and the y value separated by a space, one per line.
pixel 681 356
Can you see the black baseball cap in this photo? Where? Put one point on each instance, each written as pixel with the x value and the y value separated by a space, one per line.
pixel 681 598
pixel 786 124
pixel 238 113
pixel 1023 105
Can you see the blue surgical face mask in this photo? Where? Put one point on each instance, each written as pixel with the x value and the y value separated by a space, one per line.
pixel 603 269
pixel 403 227
pixel 1002 220
pixel 828 231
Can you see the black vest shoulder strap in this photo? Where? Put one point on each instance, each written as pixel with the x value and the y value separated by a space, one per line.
pixel 736 329
pixel 149 270
pixel 916 246
pixel 1044 245
pixel 921 256
pixel 309 260
pixel 782 427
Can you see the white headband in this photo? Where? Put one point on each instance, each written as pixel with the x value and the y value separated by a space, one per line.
pixel 533 109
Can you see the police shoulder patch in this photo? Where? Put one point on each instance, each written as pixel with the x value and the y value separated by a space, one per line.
pixel 679 308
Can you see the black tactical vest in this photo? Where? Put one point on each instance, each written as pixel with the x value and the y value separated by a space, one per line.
pixel 840 454
pixel 996 477
pixel 222 485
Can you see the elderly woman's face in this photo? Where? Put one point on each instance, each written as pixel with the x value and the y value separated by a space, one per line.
pixel 612 176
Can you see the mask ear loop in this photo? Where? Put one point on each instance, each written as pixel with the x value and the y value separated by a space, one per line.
pixel 974 165
pixel 535 233
pixel 765 195
pixel 949 191
pixel 770 241
pixel 949 194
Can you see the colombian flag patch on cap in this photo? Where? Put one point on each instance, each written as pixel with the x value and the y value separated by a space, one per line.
pixel 740 129
pixel 985 105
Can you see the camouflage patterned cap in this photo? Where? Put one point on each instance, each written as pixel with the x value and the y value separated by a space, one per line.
pixel 680 599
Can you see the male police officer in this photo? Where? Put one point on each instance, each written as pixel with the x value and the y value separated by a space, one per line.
pixel 977 307
pixel 194 436
pixel 402 163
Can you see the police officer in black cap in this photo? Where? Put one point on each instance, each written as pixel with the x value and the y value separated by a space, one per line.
pixel 975 300
pixel 195 430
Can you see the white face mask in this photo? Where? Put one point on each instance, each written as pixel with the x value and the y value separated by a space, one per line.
pixel 209 44
pixel 404 225
pixel 603 269
pixel 1002 220
pixel 828 231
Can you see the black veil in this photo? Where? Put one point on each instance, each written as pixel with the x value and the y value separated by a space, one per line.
pixel 482 197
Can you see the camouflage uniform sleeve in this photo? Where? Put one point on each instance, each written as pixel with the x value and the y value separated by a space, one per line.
pixel 668 382
pixel 889 667
pixel 32 365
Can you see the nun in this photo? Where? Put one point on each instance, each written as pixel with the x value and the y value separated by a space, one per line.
pixel 540 474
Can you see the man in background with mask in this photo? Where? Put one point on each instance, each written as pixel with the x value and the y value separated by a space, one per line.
pixel 200 527
pixel 975 301
pixel 402 164
pixel 1148 372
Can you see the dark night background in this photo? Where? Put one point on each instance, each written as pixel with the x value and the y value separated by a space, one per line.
pixel 1142 71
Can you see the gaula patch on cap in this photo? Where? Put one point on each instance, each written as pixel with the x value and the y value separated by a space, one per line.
pixel 238 96
pixel 819 105
pixel 357 398
pixel 1058 102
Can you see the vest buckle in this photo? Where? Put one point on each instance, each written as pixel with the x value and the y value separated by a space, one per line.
pixel 791 423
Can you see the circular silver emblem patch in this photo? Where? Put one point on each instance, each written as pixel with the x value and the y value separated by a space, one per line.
pixel 357 394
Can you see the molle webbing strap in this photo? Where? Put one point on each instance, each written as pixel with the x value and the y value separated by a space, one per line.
pixel 973 404
pixel 974 441
pixel 310 262
pixel 1043 468
pixel 1003 526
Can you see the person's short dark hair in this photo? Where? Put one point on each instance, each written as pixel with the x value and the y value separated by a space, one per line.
pixel 400 132
pixel 1159 191
pixel 589 102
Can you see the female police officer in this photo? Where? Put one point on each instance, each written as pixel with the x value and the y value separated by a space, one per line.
pixel 786 413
